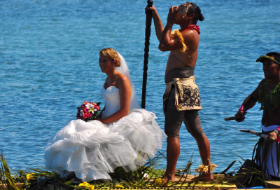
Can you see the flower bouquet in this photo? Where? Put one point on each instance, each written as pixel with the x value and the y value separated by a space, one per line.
pixel 88 111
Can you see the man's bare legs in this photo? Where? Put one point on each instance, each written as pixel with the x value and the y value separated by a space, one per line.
pixel 204 150
pixel 173 152
pixel 192 122
pixel 173 122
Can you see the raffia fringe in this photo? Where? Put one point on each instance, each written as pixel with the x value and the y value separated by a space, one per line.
pixel 205 168
pixel 177 33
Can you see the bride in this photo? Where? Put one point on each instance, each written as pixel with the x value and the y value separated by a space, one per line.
pixel 122 136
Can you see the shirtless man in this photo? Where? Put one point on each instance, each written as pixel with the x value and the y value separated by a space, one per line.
pixel 268 94
pixel 181 98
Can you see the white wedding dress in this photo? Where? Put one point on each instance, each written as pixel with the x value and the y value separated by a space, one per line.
pixel 93 149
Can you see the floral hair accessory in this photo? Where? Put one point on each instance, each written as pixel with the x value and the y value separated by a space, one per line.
pixel 88 111
pixel 263 57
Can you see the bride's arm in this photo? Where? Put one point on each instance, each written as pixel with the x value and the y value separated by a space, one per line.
pixel 124 87
pixel 99 116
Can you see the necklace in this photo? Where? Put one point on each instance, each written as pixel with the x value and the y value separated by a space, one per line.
pixel 191 27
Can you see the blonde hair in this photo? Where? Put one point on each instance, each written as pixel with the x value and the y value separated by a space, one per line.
pixel 110 53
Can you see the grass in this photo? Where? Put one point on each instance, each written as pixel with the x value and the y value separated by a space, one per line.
pixel 6 177
pixel 144 177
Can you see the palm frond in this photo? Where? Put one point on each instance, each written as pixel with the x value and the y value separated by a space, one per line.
pixel 6 177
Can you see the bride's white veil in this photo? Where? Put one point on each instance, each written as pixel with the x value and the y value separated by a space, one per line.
pixel 124 70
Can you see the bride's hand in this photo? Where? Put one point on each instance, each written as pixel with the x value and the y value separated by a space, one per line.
pixel 99 119
pixel 99 116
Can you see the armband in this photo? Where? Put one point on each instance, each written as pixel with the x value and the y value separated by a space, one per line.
pixel 241 108
pixel 278 136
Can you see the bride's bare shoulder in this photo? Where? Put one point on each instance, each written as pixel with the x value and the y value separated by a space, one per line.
pixel 123 81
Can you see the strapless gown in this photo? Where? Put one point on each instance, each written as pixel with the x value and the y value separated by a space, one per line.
pixel 93 149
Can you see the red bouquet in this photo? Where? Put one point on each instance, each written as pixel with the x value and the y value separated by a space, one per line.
pixel 88 111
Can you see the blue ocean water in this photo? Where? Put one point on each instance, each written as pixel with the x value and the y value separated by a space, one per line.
pixel 49 66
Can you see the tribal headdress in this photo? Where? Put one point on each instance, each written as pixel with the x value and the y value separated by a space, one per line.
pixel 263 57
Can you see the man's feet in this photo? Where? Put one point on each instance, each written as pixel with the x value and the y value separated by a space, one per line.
pixel 169 177
pixel 207 177
pixel 205 172
pixel 165 180
pixel 162 181
pixel 203 177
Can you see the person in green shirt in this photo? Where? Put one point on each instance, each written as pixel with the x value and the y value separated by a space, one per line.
pixel 267 151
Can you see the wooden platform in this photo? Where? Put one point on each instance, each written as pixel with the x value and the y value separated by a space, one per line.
pixel 182 183
pixel 187 182
pixel 3 187
pixel 273 184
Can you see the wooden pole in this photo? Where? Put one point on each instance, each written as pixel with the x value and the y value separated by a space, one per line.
pixel 229 118
pixel 146 51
